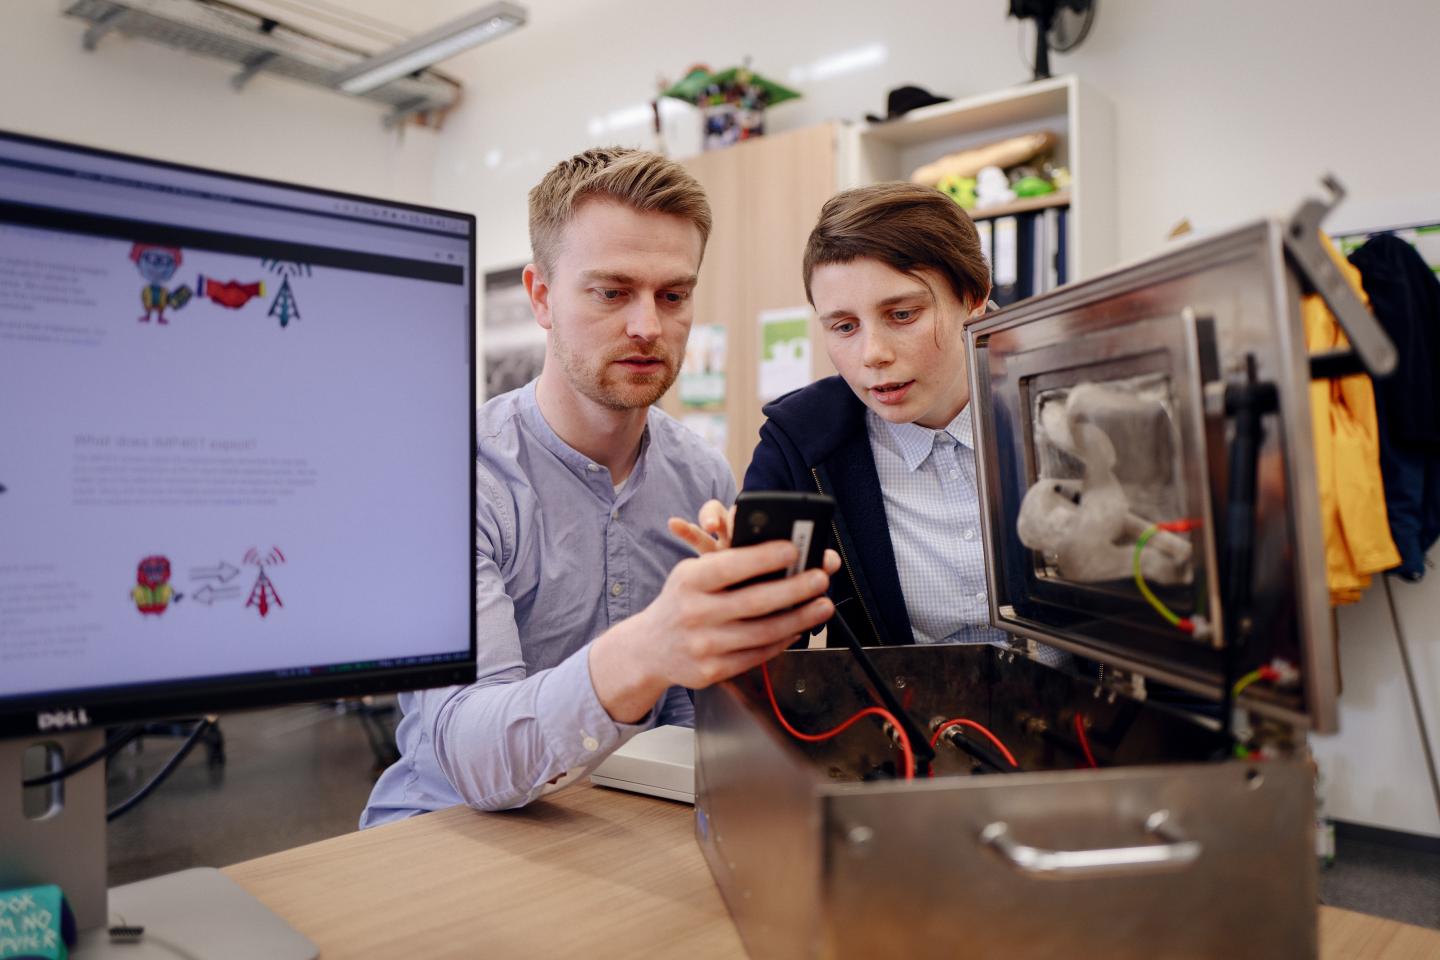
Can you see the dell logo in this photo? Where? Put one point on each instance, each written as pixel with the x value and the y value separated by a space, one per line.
pixel 62 719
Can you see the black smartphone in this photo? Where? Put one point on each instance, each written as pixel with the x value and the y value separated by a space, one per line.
pixel 803 519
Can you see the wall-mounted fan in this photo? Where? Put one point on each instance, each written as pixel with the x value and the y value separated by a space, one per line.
pixel 1060 25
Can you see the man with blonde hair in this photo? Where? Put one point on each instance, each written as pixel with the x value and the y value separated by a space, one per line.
pixel 591 617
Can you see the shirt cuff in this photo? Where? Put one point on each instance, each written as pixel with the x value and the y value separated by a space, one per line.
pixel 578 730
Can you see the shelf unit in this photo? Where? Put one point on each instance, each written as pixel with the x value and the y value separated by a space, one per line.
pixel 765 195
pixel 1081 119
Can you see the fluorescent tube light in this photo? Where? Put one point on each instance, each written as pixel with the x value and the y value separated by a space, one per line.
pixel 431 47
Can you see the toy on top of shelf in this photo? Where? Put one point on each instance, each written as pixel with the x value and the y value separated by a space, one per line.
pixel 1003 153
pixel 733 101
pixel 992 188
pixel 960 189
pixel 1032 185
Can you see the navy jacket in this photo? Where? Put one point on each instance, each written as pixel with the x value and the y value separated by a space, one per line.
pixel 815 440
pixel 1405 296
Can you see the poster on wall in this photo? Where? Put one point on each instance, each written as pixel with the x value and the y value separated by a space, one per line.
pixel 784 351
pixel 514 343
pixel 711 428
pixel 702 376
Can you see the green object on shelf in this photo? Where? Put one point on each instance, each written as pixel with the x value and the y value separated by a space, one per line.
pixel 960 189
pixel 1032 187
pixel 698 85
pixel 691 87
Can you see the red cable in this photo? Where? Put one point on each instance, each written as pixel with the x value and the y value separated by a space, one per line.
pixel 962 722
pixel 817 737
pixel 1084 741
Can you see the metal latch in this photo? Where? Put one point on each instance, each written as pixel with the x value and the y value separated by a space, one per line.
pixel 1372 348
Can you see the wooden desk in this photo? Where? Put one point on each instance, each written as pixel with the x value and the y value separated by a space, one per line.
pixel 586 873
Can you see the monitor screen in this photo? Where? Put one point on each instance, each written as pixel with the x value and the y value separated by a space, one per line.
pixel 236 441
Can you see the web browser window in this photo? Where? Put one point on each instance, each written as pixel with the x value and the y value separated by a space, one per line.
pixel 234 426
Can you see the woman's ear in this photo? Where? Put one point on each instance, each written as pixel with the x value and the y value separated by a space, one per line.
pixel 980 304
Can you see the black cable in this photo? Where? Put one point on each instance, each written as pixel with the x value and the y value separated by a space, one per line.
pixel 375 744
pixel 382 744
pixel 126 805
pixel 979 752
pixel 919 743
pixel 1246 403
pixel 111 748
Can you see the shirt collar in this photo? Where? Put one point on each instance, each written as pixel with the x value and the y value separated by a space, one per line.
pixel 916 442
pixel 595 476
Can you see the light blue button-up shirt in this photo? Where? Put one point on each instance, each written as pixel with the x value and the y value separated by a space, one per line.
pixel 932 505
pixel 562 557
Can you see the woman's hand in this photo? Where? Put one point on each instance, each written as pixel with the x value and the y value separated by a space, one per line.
pixel 713 532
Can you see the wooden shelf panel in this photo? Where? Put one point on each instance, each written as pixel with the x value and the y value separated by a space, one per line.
pixel 1002 108
pixel 1060 198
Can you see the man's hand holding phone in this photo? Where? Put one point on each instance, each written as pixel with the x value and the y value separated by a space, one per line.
pixel 715 526
pixel 715 617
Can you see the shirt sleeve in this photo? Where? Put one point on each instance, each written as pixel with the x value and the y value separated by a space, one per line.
pixel 503 739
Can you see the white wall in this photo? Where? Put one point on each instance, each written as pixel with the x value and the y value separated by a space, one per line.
pixel 1224 109
pixel 139 97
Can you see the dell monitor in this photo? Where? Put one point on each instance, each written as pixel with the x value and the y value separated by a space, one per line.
pixel 236 462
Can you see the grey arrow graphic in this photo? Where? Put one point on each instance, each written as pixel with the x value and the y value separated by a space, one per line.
pixel 208 594
pixel 224 573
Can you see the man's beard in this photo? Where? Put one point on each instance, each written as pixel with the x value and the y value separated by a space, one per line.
pixel 596 380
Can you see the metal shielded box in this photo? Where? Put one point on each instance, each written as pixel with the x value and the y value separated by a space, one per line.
pixel 1188 372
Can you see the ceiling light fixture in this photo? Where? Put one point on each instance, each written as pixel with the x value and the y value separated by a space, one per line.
pixel 431 47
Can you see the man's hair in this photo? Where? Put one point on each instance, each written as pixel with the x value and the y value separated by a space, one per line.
pixel 640 180
pixel 905 226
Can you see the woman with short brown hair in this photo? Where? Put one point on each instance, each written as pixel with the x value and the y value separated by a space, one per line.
pixel 893 271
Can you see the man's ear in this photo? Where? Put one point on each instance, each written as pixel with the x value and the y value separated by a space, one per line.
pixel 539 293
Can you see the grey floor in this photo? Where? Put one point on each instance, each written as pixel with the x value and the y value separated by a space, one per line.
pixel 300 774
pixel 291 776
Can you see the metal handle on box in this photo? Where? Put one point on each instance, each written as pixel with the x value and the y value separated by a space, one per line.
pixel 1173 854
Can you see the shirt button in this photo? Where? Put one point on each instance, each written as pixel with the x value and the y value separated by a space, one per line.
pixel 614 514
pixel 592 467
pixel 980 597
pixel 954 474
pixel 590 743
pixel 969 534
pixel 617 588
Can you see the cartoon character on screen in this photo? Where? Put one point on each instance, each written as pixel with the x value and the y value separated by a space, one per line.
pixel 152 593
pixel 157 265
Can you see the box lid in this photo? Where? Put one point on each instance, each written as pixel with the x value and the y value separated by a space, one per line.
pixel 1113 449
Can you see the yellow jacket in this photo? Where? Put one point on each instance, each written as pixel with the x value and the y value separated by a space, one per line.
pixel 1347 458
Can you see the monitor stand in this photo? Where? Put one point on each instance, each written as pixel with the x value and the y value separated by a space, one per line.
pixel 198 913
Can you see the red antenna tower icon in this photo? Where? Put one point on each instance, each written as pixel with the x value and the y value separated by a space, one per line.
pixel 263 593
